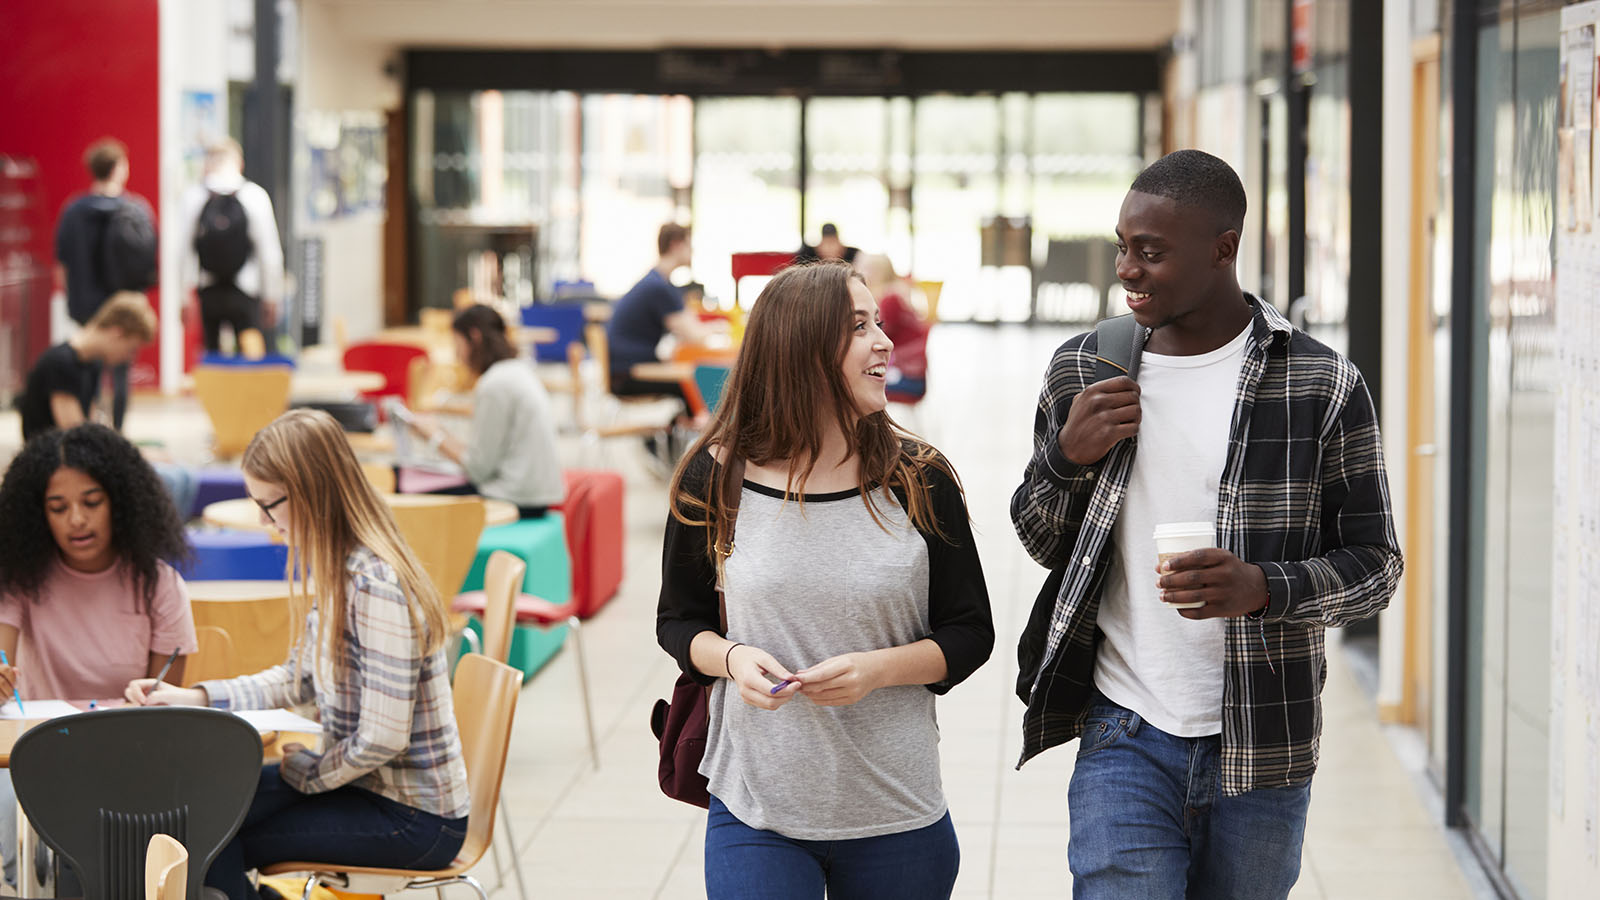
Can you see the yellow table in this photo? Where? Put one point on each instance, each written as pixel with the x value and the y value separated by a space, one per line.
pixel 244 514
pixel 319 385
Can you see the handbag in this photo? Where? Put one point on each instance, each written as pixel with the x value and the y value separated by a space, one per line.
pixel 680 725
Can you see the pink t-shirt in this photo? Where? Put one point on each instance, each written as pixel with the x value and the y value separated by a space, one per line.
pixel 85 638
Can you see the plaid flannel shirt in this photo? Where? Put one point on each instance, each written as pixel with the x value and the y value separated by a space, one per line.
pixel 389 726
pixel 1303 495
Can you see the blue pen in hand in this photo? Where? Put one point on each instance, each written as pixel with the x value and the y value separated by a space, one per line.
pixel 780 686
pixel 15 691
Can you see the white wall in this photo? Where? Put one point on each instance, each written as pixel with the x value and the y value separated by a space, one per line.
pixel 193 58
pixel 338 74
pixel 1396 219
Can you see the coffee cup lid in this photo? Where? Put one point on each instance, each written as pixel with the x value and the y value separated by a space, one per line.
pixel 1184 529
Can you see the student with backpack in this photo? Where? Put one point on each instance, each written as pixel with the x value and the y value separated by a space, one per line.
pixel 235 259
pixel 105 243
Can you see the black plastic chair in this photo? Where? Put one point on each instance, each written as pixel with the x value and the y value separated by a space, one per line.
pixel 97 786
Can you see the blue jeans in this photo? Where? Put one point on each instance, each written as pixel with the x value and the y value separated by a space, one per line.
pixel 744 863
pixel 348 826
pixel 1149 820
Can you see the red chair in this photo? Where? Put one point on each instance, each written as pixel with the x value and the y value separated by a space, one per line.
pixel 592 512
pixel 392 361
pixel 766 262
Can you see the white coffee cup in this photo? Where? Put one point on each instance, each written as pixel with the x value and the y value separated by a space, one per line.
pixel 1173 538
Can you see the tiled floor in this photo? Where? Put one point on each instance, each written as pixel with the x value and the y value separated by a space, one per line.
pixel 609 833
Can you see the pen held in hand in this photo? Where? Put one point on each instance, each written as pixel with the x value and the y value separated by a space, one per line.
pixel 16 692
pixel 780 686
pixel 163 673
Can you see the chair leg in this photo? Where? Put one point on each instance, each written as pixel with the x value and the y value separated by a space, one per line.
pixel 471 882
pixel 311 885
pixel 583 684
pixel 474 644
pixel 511 839
pixel 499 867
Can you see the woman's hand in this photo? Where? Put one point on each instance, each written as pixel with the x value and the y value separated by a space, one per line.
pixel 749 667
pixel 292 748
pixel 840 680
pixel 149 692
pixel 8 681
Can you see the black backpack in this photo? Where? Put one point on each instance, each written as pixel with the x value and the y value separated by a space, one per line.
pixel 222 237
pixel 128 249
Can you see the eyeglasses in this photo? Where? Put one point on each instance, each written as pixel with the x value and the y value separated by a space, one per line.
pixel 267 508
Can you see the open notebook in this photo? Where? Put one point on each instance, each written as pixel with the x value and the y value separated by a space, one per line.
pixel 263 719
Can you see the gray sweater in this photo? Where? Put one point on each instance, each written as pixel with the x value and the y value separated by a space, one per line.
pixel 512 453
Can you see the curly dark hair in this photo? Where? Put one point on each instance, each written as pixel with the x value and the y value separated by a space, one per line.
pixel 145 528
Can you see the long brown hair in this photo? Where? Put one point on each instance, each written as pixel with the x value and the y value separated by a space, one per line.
pixel 787 382
pixel 335 510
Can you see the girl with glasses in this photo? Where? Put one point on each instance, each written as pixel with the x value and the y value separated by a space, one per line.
pixel 389 787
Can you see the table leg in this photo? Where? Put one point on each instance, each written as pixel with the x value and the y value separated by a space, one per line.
pixel 26 886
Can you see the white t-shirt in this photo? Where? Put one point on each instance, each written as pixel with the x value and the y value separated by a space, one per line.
pixel 1164 667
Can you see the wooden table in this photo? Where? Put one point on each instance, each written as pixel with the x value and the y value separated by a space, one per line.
pixel 244 514
pixel 433 341
pixel 320 385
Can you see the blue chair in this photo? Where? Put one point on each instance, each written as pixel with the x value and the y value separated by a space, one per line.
pixel 567 320
pixel 710 379
pixel 234 556
pixel 215 484
pixel 270 359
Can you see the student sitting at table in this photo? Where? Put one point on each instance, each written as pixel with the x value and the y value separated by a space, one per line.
pixel 511 454
pixel 389 787
pixel 87 597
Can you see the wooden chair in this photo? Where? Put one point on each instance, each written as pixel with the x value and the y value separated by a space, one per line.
pixel 502 576
pixel 214 660
pixel 259 609
pixel 240 401
pixel 443 532
pixel 166 869
pixel 485 695
pixel 502 606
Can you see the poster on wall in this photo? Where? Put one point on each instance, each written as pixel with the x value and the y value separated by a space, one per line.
pixel 199 123
pixel 346 164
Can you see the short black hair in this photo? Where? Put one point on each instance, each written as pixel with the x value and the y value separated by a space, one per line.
pixel 1196 179
pixel 830 230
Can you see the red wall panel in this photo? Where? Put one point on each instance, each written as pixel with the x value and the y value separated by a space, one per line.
pixel 71 72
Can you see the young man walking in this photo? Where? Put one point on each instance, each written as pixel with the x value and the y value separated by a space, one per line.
pixel 1195 687
pixel 105 243
pixel 232 252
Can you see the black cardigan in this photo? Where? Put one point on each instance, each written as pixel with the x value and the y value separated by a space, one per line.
pixel 958 600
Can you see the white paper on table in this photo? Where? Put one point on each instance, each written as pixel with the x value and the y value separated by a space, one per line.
pixel 278 720
pixel 38 709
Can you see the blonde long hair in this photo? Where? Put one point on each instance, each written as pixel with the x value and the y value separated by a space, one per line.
pixel 336 510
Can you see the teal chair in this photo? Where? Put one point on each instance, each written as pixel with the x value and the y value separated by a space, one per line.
pixel 710 379
pixel 542 544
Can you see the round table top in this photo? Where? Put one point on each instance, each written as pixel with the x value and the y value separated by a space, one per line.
pixel 243 513
pixel 321 385
pixel 236 591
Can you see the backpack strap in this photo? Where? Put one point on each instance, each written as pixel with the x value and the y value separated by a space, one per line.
pixel 1119 342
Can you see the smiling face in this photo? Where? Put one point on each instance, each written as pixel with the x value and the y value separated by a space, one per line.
pixel 866 356
pixel 1169 258
pixel 79 513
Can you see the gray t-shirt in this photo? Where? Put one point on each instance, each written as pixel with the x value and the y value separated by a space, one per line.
pixel 805 584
